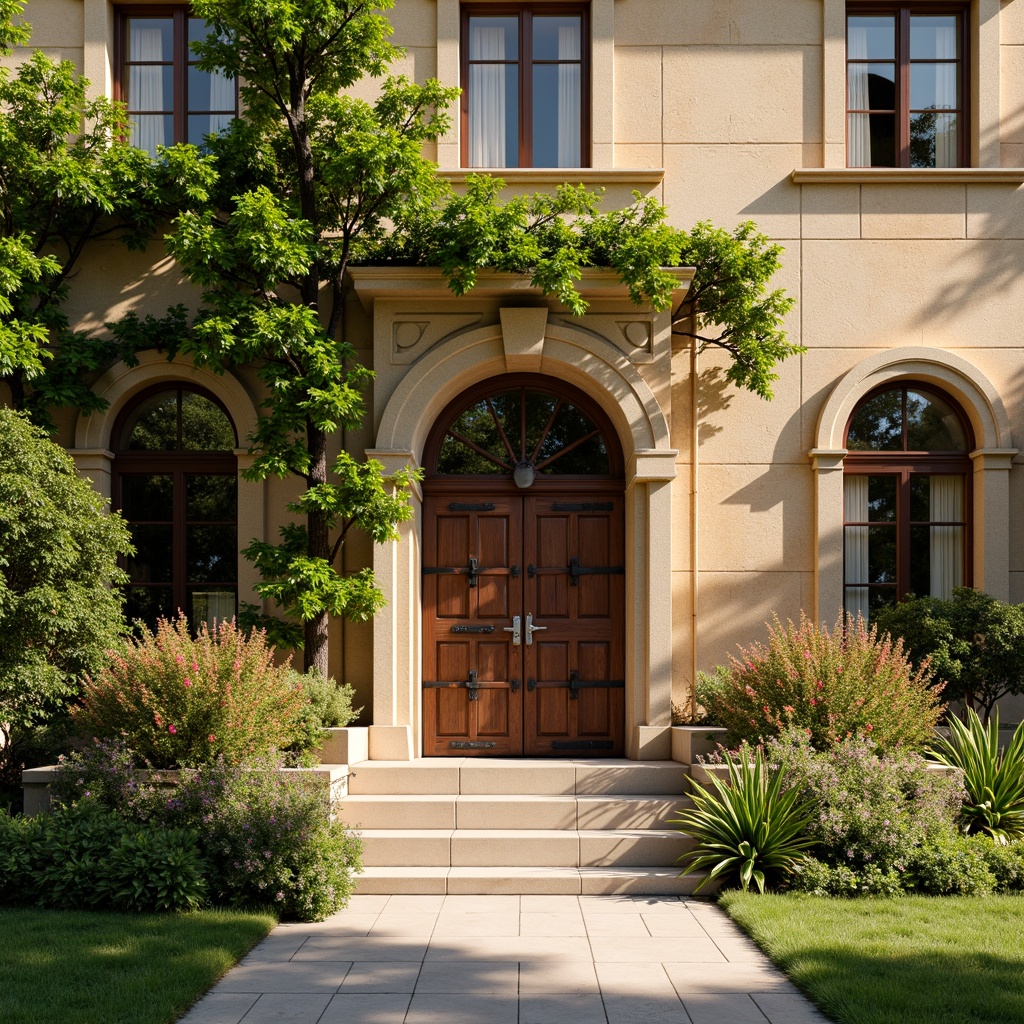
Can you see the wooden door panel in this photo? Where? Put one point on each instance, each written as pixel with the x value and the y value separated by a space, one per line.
pixel 471 588
pixel 575 592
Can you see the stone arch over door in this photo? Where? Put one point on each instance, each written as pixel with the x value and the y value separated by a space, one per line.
pixel 991 458
pixel 524 341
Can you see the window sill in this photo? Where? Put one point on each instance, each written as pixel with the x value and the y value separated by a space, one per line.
pixel 908 176
pixel 650 177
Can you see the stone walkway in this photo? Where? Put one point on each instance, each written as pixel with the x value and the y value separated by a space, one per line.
pixel 508 960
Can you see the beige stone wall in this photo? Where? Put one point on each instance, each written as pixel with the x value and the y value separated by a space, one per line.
pixel 728 98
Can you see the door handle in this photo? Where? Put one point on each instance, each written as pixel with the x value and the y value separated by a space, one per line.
pixel 514 630
pixel 531 629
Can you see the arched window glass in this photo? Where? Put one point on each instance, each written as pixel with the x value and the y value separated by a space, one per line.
pixel 176 485
pixel 907 498
pixel 523 425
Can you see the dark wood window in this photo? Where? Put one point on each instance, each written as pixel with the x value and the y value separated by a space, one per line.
pixel 169 99
pixel 526 85
pixel 907 498
pixel 176 483
pixel 905 86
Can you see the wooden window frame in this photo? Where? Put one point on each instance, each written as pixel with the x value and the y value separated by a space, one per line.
pixel 181 59
pixel 525 12
pixel 902 67
pixel 906 464
pixel 178 464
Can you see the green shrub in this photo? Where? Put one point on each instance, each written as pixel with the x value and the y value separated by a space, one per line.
pixel 88 857
pixel 707 690
pixel 821 879
pixel 750 829
pixel 874 810
pixel 266 837
pixel 1005 861
pixel 973 643
pixel 831 685
pixel 58 558
pixel 326 706
pixel 951 865
pixel 993 778
pixel 180 701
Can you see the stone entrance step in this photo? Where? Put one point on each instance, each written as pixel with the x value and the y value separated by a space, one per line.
pixel 645 881
pixel 463 825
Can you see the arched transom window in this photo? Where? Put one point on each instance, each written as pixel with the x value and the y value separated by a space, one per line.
pixel 176 485
pixel 907 498
pixel 525 432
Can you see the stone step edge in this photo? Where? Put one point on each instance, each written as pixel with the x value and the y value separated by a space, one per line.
pixel 570 881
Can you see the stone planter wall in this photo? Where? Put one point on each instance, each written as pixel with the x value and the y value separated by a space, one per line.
pixel 691 742
pixel 35 783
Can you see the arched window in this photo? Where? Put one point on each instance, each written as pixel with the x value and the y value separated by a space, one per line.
pixel 907 498
pixel 527 424
pixel 175 482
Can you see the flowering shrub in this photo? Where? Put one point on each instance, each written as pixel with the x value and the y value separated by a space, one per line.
pixel 874 810
pixel 830 685
pixel 326 705
pixel 266 837
pixel 179 701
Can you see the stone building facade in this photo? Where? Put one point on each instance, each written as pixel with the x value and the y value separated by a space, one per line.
pixel 881 144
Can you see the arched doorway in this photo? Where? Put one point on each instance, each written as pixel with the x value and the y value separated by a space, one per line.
pixel 523 574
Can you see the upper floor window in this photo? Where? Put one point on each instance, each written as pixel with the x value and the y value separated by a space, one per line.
pixel 525 85
pixel 169 99
pixel 907 498
pixel 905 86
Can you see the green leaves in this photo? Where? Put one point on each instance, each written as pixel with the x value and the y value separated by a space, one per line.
pixel 749 830
pixel 993 778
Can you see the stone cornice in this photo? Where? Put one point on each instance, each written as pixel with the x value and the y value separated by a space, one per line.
pixel 428 283
pixel 649 177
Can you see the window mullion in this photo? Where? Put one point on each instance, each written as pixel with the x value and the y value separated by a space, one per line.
pixel 180 75
pixel 903 537
pixel 526 89
pixel 903 87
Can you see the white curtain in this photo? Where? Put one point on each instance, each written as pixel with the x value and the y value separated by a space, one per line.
pixel 210 91
pixel 855 542
pixel 858 129
pixel 487 85
pixel 946 149
pixel 145 84
pixel 569 97
pixel 946 543
pixel 212 606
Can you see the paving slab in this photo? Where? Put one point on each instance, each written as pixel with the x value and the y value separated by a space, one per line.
pixel 509 959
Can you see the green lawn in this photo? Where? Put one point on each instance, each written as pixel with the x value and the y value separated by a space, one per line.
pixel 70 967
pixel 914 960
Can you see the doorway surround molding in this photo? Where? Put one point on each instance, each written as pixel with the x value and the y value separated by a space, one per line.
pixel 428 347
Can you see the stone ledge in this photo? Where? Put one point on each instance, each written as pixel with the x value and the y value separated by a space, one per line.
pixel 907 176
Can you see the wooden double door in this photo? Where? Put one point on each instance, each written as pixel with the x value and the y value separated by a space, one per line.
pixel 523 625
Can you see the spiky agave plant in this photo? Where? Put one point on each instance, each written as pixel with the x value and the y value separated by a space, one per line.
pixel 750 830
pixel 993 778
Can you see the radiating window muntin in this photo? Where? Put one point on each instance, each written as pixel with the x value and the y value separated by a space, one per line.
pixel 905 86
pixel 496 432
pixel 169 99
pixel 176 485
pixel 907 498
pixel 525 85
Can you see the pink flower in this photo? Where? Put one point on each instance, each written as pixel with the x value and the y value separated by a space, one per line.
pixel 171 729
pixel 807 654
pixel 179 659
pixel 788 708
pixel 195 666
pixel 869 727
pixel 188 682
pixel 210 738
pixel 819 684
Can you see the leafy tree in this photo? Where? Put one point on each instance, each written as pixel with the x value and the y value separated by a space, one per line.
pixel 309 181
pixel 974 642
pixel 58 559
pixel 67 176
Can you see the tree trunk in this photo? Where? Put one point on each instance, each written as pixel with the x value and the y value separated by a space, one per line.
pixel 316 649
